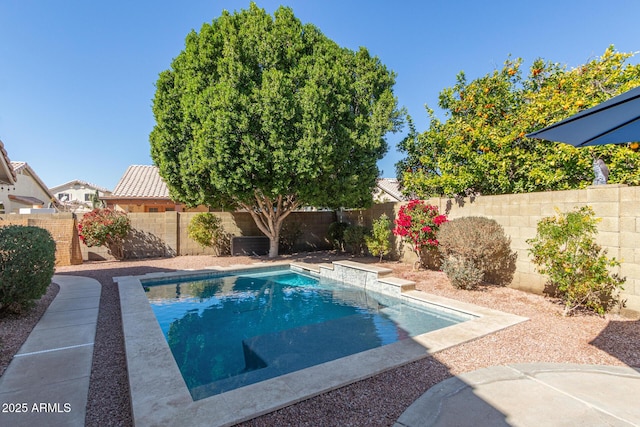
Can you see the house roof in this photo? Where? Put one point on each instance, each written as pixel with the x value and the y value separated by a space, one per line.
pixel 391 186
pixel 69 184
pixel 141 181
pixel 27 200
pixel 23 167
pixel 7 174
pixel 144 181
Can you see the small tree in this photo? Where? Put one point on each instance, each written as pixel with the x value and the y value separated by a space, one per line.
pixel 105 227
pixel 206 229
pixel 417 223
pixel 578 268
pixel 379 242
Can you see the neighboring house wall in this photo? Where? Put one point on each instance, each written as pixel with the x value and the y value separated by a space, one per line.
pixel 77 196
pixel 27 185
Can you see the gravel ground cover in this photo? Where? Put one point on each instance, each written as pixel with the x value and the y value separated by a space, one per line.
pixel 377 401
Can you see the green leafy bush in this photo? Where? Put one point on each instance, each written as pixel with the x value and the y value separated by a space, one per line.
pixel 379 242
pixel 462 272
pixel 206 229
pixel 290 232
pixel 336 234
pixel 482 242
pixel 354 238
pixel 105 227
pixel 27 262
pixel 578 269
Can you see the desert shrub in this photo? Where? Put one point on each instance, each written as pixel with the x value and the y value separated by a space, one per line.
pixel 482 242
pixel 290 232
pixel 462 272
pixel 354 238
pixel 27 262
pixel 105 227
pixel 336 234
pixel 206 229
pixel 417 224
pixel 578 269
pixel 379 242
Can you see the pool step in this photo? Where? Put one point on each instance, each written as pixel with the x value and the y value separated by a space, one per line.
pixel 403 284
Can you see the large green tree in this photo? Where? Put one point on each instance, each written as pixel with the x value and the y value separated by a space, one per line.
pixel 481 146
pixel 267 114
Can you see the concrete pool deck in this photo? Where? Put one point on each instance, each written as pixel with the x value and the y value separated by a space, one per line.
pixel 47 381
pixel 160 396
pixel 50 369
pixel 531 395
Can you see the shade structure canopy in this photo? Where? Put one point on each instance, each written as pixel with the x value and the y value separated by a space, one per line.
pixel 614 121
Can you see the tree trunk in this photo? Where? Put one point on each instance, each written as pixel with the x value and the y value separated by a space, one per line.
pixel 269 216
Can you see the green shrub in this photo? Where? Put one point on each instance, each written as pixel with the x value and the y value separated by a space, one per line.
pixel 27 262
pixel 462 273
pixel 482 242
pixel 336 234
pixel 290 232
pixel 354 238
pixel 105 227
pixel 578 269
pixel 379 242
pixel 206 229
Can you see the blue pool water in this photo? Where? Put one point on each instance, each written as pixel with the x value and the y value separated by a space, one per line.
pixel 229 331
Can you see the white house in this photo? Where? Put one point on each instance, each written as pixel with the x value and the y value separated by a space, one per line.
pixel 77 195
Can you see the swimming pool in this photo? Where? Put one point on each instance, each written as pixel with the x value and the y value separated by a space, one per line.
pixel 160 396
pixel 229 331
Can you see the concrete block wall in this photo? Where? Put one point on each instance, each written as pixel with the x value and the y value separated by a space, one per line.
pixel 165 233
pixel 617 206
pixel 63 229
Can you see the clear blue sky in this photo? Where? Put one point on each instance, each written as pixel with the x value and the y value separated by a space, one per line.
pixel 77 77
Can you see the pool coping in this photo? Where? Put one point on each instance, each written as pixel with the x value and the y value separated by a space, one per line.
pixel 159 395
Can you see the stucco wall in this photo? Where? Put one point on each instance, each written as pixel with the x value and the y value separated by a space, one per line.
pixel 25 186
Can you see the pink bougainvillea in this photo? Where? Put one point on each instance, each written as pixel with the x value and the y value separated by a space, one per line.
pixel 417 223
pixel 105 227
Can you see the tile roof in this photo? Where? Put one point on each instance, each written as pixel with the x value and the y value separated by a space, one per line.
pixel 18 166
pixel 79 182
pixel 7 174
pixel 141 181
pixel 391 186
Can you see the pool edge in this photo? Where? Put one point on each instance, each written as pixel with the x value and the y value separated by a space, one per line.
pixel 159 395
